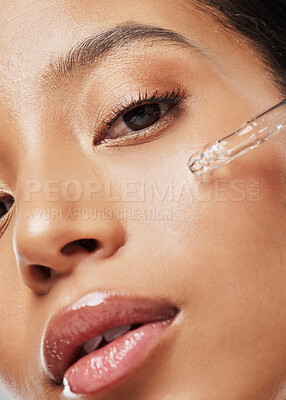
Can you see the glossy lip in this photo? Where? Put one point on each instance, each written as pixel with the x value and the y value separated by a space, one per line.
pixel 92 315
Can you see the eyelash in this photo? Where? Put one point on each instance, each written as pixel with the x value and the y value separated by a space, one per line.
pixel 174 98
pixel 5 220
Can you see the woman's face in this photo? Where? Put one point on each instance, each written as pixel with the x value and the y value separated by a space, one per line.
pixel 213 247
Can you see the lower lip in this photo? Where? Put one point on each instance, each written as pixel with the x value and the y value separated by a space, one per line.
pixel 112 363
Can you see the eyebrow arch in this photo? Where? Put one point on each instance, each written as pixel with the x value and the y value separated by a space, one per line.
pixel 91 49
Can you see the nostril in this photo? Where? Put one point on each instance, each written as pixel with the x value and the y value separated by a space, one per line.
pixel 40 273
pixel 88 245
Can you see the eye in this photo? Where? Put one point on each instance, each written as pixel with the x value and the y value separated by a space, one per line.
pixel 137 119
pixel 6 204
pixel 142 117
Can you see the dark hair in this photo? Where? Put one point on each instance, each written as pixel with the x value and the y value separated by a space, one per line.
pixel 262 23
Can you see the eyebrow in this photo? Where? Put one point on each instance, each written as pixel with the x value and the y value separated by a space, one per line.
pixel 92 49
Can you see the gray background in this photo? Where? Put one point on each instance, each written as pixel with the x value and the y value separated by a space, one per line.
pixel 3 396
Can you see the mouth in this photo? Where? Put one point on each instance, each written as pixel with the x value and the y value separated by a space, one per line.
pixel 101 339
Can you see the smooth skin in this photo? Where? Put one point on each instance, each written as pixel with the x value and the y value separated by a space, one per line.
pixel 219 255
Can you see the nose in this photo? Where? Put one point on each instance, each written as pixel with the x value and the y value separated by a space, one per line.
pixel 51 241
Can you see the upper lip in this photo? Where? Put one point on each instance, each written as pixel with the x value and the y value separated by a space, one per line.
pixel 92 315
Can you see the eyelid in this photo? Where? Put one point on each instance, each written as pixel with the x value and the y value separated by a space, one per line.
pixel 148 134
pixel 175 98
pixel 5 220
pixel 165 97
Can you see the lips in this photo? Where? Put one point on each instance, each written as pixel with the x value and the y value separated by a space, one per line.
pixel 102 338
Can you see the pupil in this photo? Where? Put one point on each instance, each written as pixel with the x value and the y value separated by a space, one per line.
pixel 5 205
pixel 142 117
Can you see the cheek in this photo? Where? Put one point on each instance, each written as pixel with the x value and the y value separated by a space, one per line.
pixel 13 313
pixel 230 226
pixel 225 260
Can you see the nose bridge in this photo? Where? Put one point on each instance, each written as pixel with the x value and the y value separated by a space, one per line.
pixel 58 223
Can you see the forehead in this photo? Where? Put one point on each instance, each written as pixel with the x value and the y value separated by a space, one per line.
pixel 34 31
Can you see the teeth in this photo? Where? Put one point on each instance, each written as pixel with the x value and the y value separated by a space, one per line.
pixel 116 332
pixel 92 344
pixel 110 335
